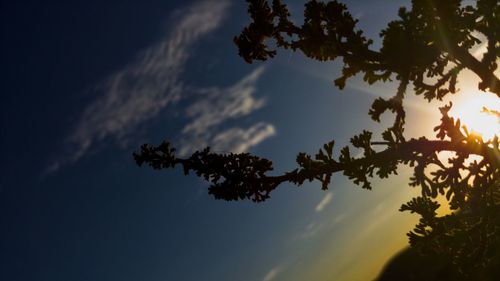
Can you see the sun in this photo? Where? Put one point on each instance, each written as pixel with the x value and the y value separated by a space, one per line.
pixel 479 113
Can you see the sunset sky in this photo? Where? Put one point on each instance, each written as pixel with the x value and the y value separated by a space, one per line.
pixel 84 84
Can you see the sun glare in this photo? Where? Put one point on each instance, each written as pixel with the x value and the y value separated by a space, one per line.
pixel 479 113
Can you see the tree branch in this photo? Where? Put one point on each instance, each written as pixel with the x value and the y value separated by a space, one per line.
pixel 240 176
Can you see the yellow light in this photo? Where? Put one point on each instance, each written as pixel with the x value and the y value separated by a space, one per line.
pixel 470 109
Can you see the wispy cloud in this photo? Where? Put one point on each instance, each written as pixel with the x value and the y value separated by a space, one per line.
pixel 271 275
pixel 311 230
pixel 217 106
pixel 339 218
pixel 238 140
pixel 324 202
pixel 141 90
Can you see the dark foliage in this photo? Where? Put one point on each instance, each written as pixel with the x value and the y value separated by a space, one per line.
pixel 427 47
pixel 410 265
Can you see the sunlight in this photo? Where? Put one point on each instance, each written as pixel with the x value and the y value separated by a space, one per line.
pixel 479 113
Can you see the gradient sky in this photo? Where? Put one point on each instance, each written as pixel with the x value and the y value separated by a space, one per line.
pixel 84 84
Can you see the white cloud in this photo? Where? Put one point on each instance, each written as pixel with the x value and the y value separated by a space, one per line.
pixel 223 104
pixel 239 140
pixel 311 230
pixel 339 218
pixel 219 105
pixel 324 202
pixel 153 82
pixel 271 275
pixel 139 91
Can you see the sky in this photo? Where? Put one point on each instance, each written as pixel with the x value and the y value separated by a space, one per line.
pixel 84 84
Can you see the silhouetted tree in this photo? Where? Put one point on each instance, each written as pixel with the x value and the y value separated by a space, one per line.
pixel 425 48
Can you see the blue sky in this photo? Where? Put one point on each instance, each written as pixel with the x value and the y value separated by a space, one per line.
pixel 85 84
